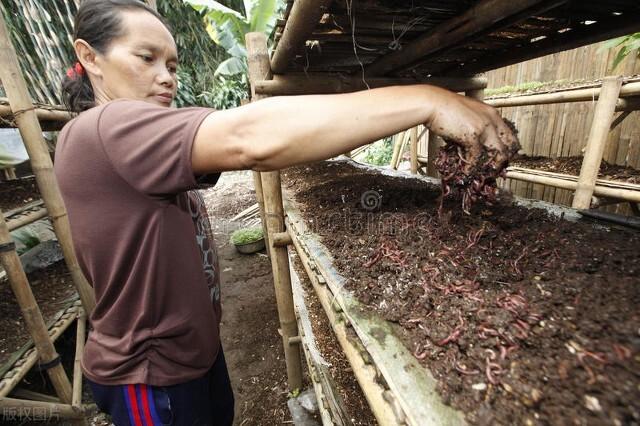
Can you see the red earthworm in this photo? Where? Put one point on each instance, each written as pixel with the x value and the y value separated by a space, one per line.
pixel 486 331
pixel 420 355
pixel 462 370
pixel 455 334
pixel 373 260
pixel 622 352
pixel 491 369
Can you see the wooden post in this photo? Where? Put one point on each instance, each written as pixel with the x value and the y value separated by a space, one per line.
pixel 81 332
pixel 433 147
pixel 259 69
pixel 414 150
pixel 257 185
pixel 32 315
pixel 397 144
pixel 602 118
pixel 27 120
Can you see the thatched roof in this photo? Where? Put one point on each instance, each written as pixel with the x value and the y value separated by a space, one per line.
pixel 418 38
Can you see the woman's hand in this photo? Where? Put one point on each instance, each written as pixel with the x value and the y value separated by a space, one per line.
pixel 473 125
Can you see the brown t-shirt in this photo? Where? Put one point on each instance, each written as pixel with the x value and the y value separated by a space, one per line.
pixel 143 241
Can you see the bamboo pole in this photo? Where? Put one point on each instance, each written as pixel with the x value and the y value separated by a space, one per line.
pixel 482 16
pixel 601 182
pixel 599 190
pixel 602 118
pixel 257 185
pixel 44 114
pixel 302 20
pixel 259 69
pixel 76 399
pixel 28 218
pixel 323 84
pixel 414 150
pixel 579 95
pixel 405 141
pixel 27 120
pixel 31 313
pixel 396 148
pixel 433 147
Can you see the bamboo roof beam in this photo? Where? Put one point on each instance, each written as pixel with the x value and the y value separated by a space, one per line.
pixel 482 17
pixel 303 18
pixel 320 84
pixel 582 35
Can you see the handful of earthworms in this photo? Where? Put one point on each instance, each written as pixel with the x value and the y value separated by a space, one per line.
pixel 478 183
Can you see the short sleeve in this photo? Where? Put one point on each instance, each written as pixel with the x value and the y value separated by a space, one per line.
pixel 150 146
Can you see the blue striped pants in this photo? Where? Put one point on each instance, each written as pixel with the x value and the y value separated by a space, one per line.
pixel 201 402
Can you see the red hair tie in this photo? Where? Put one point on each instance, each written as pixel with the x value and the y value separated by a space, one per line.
pixel 77 70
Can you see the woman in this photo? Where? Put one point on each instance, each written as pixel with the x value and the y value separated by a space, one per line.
pixel 127 166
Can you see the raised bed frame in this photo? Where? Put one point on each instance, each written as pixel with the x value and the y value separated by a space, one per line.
pixel 398 389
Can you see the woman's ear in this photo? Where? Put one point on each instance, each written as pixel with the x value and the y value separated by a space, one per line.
pixel 87 57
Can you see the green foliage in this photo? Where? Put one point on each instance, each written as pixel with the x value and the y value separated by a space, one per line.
pixel 379 153
pixel 627 44
pixel 246 236
pixel 227 28
pixel 227 92
pixel 41 34
pixel 27 237
pixel 532 86
pixel 199 58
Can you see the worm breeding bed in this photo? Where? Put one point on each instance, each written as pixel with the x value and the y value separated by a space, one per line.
pixel 521 316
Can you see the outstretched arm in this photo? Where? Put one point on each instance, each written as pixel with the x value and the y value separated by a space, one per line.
pixel 278 132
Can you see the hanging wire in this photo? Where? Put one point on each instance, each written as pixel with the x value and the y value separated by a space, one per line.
pixel 352 20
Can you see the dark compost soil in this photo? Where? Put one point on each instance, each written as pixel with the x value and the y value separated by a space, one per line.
pixel 571 166
pixel 523 318
pixel 18 192
pixel 52 288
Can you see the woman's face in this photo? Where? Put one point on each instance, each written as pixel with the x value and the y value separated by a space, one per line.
pixel 140 64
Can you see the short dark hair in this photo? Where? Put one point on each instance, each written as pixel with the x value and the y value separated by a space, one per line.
pixel 98 22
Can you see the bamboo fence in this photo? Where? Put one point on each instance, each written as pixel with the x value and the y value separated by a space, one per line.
pixel 562 130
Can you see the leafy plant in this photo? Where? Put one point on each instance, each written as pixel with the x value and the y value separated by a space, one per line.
pixel 226 93
pixel 27 237
pixel 379 153
pixel 227 27
pixel 627 44
pixel 246 236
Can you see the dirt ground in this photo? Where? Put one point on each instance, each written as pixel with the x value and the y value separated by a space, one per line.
pixel 18 192
pixel 523 318
pixel 252 345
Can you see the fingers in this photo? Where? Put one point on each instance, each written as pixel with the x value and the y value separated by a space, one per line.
pixel 491 140
pixel 500 138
